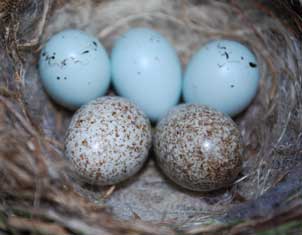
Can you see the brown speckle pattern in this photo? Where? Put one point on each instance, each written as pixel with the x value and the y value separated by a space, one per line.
pixel 108 140
pixel 198 147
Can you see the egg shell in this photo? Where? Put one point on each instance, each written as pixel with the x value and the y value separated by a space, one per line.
pixel 224 75
pixel 146 70
pixel 108 140
pixel 74 68
pixel 198 147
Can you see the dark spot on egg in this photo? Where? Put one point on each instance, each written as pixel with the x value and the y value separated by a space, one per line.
pixel 43 54
pixel 232 86
pixel 242 58
pixel 58 78
pixel 138 73
pixel 65 78
pixel 94 43
pixel 221 47
pixel 85 52
pixel 226 55
pixel 53 57
pixel 85 143
pixel 63 63
pixel 253 65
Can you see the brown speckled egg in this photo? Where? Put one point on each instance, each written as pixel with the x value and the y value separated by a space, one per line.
pixel 108 140
pixel 198 147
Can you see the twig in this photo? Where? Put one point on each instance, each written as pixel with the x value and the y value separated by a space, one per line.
pixel 24 123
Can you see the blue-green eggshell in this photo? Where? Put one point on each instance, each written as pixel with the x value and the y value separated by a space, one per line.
pixel 74 68
pixel 147 70
pixel 224 75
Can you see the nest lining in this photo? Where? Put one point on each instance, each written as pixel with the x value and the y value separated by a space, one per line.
pixel 33 126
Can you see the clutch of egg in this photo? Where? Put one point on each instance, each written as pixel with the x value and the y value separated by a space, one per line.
pixel 108 140
pixel 224 75
pixel 198 147
pixel 74 68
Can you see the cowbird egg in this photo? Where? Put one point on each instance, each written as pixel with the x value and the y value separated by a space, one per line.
pixel 74 68
pixel 198 147
pixel 224 75
pixel 108 140
pixel 146 69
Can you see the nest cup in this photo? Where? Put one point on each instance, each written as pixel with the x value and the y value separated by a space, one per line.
pixel 33 166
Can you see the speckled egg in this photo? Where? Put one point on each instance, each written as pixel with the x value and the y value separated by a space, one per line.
pixel 198 147
pixel 74 68
pixel 223 74
pixel 108 140
pixel 146 70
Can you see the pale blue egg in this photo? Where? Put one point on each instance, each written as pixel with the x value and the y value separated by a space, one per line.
pixel 146 70
pixel 74 68
pixel 223 74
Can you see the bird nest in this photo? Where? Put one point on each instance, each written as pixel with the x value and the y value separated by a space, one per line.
pixel 38 195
